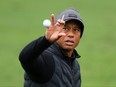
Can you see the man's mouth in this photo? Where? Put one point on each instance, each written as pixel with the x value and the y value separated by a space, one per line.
pixel 69 42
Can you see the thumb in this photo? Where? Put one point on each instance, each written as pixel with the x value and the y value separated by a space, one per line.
pixel 61 34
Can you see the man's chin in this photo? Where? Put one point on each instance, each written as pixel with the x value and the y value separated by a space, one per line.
pixel 68 48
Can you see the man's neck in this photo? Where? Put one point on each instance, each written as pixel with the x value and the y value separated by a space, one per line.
pixel 69 53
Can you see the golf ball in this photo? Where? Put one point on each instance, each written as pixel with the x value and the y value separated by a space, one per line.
pixel 46 23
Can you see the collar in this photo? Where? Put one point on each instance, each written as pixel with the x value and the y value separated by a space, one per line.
pixel 74 54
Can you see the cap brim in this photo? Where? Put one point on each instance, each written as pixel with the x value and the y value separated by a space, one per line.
pixel 68 19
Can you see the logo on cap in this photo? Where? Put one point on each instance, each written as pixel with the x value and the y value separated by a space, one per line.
pixel 72 15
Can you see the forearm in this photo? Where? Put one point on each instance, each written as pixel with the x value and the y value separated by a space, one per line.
pixel 33 50
pixel 34 64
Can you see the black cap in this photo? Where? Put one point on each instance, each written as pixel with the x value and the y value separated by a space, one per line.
pixel 72 14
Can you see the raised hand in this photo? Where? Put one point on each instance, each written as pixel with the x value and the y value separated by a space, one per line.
pixel 54 32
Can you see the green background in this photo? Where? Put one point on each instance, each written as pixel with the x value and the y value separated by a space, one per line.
pixel 21 22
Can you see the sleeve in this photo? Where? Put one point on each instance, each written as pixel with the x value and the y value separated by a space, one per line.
pixel 38 64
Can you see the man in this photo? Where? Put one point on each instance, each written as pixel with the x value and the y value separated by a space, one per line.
pixel 50 61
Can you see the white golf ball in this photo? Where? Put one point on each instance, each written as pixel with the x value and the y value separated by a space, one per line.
pixel 46 23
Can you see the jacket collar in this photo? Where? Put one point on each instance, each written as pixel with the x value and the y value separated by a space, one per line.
pixel 74 54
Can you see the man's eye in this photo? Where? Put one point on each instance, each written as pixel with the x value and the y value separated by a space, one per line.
pixel 65 28
pixel 77 29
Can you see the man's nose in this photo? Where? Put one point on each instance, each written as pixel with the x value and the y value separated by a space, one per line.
pixel 71 33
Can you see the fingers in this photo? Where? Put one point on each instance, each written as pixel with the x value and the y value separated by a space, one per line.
pixel 52 19
pixel 60 21
pixel 61 34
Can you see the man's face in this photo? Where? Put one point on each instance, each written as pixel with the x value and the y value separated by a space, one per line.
pixel 72 37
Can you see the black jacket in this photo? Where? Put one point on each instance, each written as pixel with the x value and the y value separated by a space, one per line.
pixel 47 65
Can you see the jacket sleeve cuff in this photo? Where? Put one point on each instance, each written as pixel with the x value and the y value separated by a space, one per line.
pixel 42 43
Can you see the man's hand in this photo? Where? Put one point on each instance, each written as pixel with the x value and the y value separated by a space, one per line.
pixel 54 32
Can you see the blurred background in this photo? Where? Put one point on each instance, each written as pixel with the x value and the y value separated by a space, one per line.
pixel 21 22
